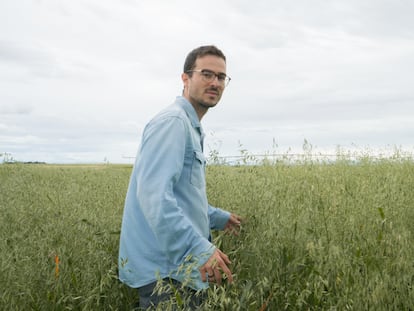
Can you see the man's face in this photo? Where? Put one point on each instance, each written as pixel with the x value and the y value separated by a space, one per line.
pixel 201 93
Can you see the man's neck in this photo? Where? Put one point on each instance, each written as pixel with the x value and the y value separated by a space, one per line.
pixel 199 108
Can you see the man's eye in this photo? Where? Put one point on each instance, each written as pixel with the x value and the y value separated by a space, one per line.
pixel 221 77
pixel 207 74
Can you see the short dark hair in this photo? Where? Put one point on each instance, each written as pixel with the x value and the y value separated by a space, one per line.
pixel 201 51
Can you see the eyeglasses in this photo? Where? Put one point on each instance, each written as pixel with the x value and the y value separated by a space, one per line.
pixel 209 76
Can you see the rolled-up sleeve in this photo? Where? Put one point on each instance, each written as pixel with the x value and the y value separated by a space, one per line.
pixel 161 162
pixel 218 218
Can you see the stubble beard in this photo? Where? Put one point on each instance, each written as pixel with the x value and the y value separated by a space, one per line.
pixel 209 104
pixel 204 101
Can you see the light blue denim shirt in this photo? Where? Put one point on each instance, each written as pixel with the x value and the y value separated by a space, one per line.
pixel 167 218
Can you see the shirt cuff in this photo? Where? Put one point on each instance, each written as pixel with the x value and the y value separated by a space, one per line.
pixel 218 218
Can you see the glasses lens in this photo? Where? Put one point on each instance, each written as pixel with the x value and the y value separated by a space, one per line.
pixel 208 75
pixel 222 77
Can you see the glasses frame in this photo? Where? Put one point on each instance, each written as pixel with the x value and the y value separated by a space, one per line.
pixel 214 75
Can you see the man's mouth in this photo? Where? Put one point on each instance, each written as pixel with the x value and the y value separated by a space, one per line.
pixel 212 92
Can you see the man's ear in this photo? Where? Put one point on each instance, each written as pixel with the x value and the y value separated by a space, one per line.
pixel 184 78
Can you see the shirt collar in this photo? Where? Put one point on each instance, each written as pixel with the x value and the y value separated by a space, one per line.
pixel 192 115
pixel 190 111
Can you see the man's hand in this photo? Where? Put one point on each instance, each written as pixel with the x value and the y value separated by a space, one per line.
pixel 233 225
pixel 215 266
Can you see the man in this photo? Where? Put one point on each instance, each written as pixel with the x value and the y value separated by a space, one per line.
pixel 167 219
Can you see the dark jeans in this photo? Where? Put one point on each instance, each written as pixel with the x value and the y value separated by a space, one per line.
pixel 185 297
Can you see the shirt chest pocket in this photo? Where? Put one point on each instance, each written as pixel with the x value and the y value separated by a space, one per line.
pixel 197 176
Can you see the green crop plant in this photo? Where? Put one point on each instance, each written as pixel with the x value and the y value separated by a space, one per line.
pixel 317 235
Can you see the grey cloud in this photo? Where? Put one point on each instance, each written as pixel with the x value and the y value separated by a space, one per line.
pixel 36 60
pixel 14 51
pixel 45 62
pixel 380 18
pixel 326 135
pixel 383 18
pixel 51 139
pixel 16 109
pixel 330 71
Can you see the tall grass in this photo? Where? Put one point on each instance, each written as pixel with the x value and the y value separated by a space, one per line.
pixel 321 237
pixel 69 212
pixel 316 236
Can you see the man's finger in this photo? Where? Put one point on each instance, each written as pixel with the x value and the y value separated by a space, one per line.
pixel 213 268
pixel 217 276
pixel 224 257
pixel 203 273
pixel 226 271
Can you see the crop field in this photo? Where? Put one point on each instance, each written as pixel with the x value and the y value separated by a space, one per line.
pixel 316 236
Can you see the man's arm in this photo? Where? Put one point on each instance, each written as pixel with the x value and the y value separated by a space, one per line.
pixel 218 217
pixel 161 161
pixel 223 220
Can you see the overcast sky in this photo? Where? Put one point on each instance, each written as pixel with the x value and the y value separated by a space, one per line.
pixel 79 79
